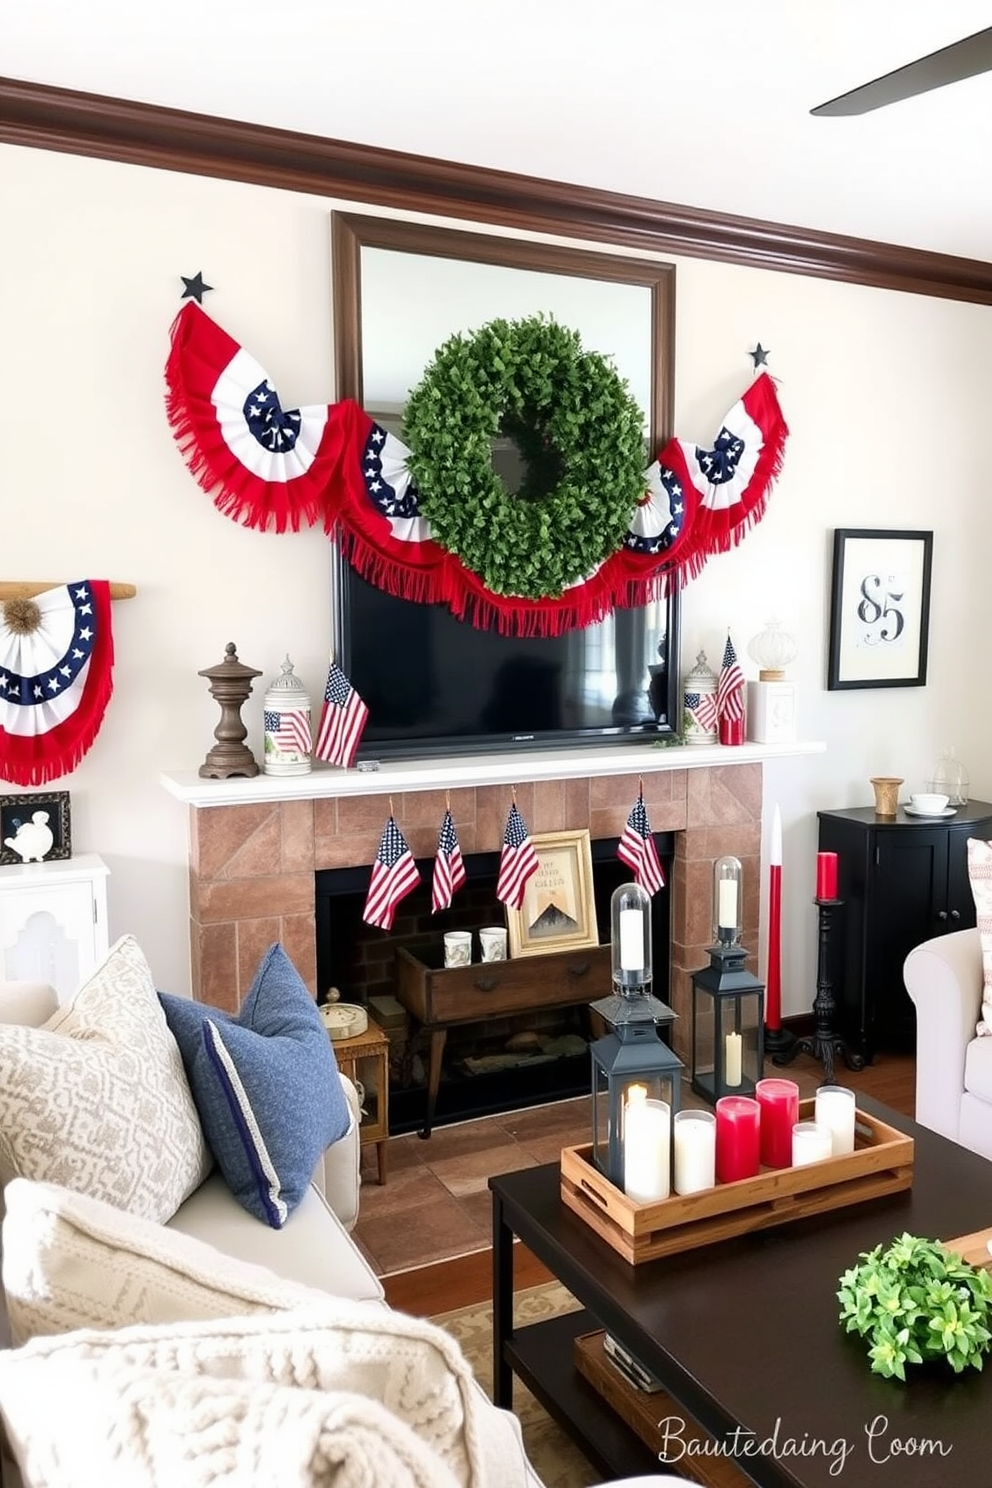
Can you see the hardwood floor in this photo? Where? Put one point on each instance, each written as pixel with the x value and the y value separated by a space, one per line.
pixel 425 1290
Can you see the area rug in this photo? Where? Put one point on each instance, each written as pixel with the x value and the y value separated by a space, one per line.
pixel 554 1456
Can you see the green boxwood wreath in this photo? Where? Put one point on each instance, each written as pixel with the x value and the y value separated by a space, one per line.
pixel 581 435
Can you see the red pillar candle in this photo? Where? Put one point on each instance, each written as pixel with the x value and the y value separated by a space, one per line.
pixel 779 1102
pixel 738 1144
pixel 826 875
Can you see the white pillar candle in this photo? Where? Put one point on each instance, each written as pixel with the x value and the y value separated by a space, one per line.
pixel 646 1147
pixel 835 1108
pixel 726 909
pixel 733 1053
pixel 810 1143
pixel 631 940
pixel 694 1134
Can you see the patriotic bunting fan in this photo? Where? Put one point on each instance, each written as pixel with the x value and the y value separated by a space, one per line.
pixel 267 466
pixel 56 665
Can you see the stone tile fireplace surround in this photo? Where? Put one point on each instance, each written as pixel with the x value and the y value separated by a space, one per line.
pixel 252 861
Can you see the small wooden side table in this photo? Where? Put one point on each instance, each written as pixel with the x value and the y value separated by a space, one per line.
pixel 365 1059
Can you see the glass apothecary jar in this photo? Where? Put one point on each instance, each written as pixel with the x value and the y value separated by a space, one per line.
pixel 950 778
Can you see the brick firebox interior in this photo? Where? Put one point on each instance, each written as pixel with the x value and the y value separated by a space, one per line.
pixel 252 866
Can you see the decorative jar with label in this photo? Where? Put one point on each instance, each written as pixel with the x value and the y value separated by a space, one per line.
pixel 287 725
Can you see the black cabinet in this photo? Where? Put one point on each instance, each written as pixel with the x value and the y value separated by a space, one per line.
pixel 902 880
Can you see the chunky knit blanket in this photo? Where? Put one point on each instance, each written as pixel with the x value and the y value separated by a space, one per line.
pixel 350 1395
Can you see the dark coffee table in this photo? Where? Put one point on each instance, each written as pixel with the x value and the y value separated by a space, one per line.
pixel 744 1335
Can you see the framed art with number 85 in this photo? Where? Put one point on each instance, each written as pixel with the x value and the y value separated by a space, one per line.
pixel 879 608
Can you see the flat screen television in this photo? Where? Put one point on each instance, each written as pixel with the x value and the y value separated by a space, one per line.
pixel 436 685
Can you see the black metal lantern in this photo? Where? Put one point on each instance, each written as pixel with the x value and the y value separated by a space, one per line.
pixel 632 1054
pixel 728 1026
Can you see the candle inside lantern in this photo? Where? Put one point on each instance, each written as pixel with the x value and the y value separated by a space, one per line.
pixel 733 1052
pixel 835 1107
pixel 631 940
pixel 738 1120
pixel 726 912
pixel 779 1102
pixel 826 875
pixel 646 1146
pixel 695 1151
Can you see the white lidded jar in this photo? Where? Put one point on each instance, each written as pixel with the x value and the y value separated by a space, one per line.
pixel 699 714
pixel 288 739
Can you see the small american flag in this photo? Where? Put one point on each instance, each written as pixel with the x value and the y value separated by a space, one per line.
pixel 449 870
pixel 342 720
pixel 730 688
pixel 637 849
pixel 702 706
pixel 394 874
pixel 517 861
pixel 289 732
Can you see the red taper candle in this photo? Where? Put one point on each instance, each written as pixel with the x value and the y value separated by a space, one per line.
pixel 826 875
pixel 773 969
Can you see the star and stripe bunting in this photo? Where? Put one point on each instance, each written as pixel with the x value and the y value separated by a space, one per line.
pixel 449 867
pixel 638 850
pixel 517 861
pixel 289 730
pixel 343 717
pixel 394 874
pixel 56 665
pixel 267 466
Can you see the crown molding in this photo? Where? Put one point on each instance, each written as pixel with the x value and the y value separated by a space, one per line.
pixel 38 116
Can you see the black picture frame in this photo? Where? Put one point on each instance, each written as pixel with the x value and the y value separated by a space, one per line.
pixel 879 608
pixel 16 811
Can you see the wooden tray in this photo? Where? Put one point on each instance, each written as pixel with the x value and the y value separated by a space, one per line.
pixel 973 1248
pixel 881 1163
pixel 643 1413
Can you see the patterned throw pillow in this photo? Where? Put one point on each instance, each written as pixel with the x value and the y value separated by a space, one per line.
pixel 70 1261
pixel 266 1085
pixel 980 876
pixel 97 1100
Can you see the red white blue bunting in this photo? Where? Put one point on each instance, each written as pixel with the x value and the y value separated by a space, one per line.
pixel 56 666
pixel 272 468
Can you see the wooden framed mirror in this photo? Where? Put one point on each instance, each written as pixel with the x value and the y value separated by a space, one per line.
pixel 628 303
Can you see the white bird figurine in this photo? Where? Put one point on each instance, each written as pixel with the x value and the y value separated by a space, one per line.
pixel 32 839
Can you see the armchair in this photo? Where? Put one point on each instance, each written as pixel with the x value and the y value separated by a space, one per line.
pixel 953 1066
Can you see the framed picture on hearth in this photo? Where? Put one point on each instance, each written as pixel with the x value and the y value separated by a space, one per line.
pixel 559 910
pixel 879 608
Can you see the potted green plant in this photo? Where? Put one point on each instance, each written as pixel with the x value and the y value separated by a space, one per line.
pixel 916 1301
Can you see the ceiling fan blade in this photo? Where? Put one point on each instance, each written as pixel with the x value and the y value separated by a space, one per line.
pixel 962 59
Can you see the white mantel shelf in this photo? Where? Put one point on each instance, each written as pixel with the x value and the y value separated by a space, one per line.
pixel 450 771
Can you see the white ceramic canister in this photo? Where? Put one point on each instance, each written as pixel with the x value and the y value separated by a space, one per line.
pixel 699 716
pixel 288 740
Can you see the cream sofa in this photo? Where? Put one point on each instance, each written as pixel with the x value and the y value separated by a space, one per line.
pixel 953 1066
pixel 313 1248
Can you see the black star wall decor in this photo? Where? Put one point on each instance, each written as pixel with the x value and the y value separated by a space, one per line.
pixel 195 288
pixel 759 356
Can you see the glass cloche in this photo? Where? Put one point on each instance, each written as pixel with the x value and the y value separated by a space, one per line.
pixel 950 778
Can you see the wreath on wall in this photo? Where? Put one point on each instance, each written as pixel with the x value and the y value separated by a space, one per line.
pixel 580 435
pixel 589 531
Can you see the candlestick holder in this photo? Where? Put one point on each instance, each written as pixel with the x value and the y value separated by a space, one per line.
pixel 824 1042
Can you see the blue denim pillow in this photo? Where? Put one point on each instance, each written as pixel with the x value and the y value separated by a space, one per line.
pixel 265 1084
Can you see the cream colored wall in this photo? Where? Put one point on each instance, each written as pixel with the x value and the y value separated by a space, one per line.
pixel 885 393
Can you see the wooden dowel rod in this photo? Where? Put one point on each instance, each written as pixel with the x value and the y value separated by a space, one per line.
pixel 25 589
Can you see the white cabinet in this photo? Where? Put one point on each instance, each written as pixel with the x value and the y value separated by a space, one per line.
pixel 53 921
